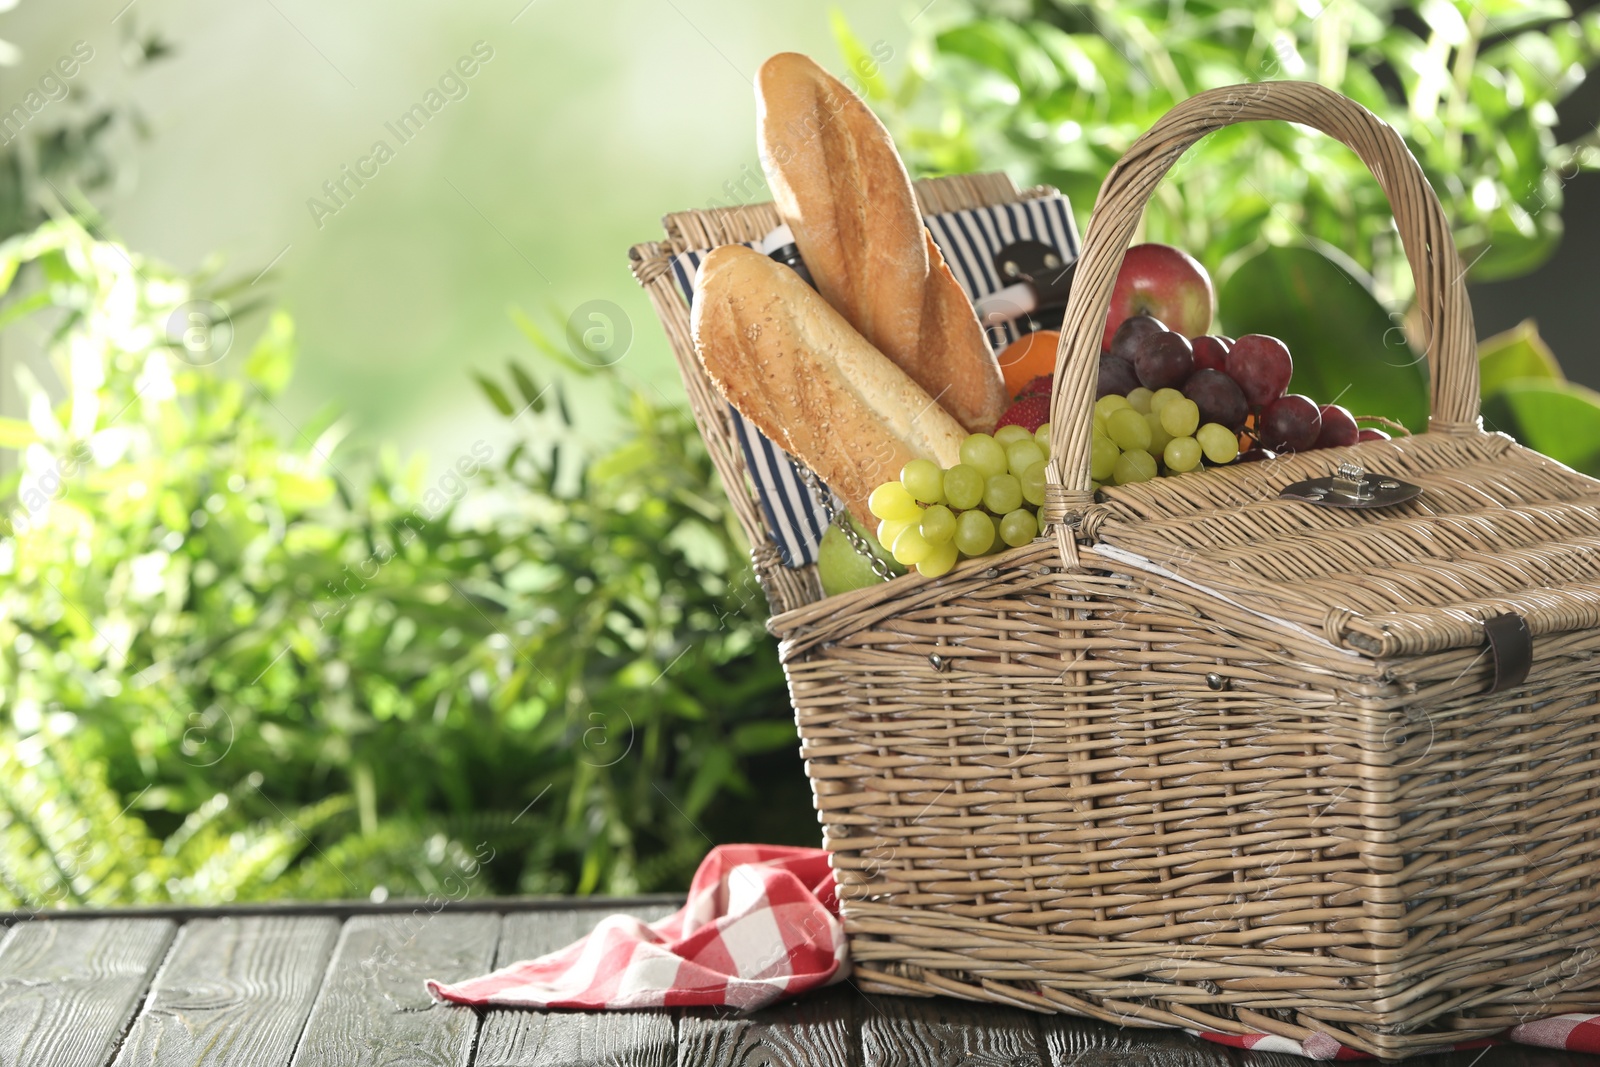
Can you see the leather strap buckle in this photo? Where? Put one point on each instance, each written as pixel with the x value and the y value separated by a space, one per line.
pixel 1511 645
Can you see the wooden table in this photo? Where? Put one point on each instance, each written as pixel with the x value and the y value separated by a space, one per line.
pixel 341 984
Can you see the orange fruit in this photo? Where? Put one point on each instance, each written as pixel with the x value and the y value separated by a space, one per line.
pixel 1027 357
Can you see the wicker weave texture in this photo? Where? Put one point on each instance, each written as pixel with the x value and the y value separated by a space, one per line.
pixel 1120 793
pixel 1205 757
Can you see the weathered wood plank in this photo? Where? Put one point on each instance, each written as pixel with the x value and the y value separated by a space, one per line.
pixel 815 1030
pixel 1090 1043
pixel 69 990
pixel 238 990
pixel 1284 1059
pixel 373 1008
pixel 1510 1056
pixel 232 992
pixel 345 908
pixel 518 1037
pixel 939 1031
pixel 1496 1056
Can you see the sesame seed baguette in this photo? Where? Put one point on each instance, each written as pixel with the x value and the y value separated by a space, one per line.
pixel 841 187
pixel 792 365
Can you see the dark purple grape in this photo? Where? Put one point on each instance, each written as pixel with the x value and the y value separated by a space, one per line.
pixel 1262 367
pixel 1211 353
pixel 1368 434
pixel 1125 342
pixel 1256 455
pixel 1338 428
pixel 1218 397
pixel 1117 377
pixel 1290 423
pixel 1164 360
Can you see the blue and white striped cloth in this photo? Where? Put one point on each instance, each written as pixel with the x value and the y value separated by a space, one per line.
pixel 968 241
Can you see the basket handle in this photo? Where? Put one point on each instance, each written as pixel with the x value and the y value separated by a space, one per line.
pixel 1440 281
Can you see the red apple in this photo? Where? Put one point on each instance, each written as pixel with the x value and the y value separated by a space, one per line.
pixel 1165 282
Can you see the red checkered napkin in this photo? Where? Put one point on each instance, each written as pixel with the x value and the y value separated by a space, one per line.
pixel 761 924
pixel 1571 1033
pixel 1574 1033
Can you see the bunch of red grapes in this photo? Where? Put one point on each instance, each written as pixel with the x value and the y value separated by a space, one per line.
pixel 1240 384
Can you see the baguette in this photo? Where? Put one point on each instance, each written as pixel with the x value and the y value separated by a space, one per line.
pixel 840 185
pixel 792 365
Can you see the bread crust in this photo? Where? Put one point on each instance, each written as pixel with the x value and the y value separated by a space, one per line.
pixel 841 187
pixel 792 365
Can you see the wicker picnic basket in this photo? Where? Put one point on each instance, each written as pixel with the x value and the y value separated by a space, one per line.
pixel 1204 757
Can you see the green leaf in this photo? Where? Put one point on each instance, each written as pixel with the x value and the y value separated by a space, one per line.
pixel 768 736
pixel 271 361
pixel 1507 16
pixel 1516 353
pixel 526 386
pixel 864 69
pixel 16 433
pixel 561 406
pixel 553 472
pixel 716 766
pixel 542 344
pixel 984 44
pixel 24 307
pixel 1559 419
pixel 1347 350
pixel 1512 251
pixel 529 328
pixel 1444 20
pixel 497 396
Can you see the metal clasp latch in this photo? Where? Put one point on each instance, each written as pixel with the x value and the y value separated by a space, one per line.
pixel 1352 487
pixel 1351 481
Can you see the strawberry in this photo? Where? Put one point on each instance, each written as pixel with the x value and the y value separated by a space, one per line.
pixel 1030 411
pixel 1040 386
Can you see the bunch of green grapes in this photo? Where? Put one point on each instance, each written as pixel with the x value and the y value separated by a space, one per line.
pixel 1145 433
pixel 988 502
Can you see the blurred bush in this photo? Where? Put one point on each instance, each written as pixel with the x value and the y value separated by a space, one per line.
pixel 1054 91
pixel 232 672
pixel 62 153
pixel 1290 221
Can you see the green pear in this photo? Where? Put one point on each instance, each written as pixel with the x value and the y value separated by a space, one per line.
pixel 841 568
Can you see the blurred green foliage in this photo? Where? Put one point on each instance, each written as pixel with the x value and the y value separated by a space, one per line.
pixel 64 158
pixel 1290 221
pixel 229 671
pixel 1054 91
pixel 300 686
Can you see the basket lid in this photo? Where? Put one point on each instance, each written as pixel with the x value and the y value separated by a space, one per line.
pixel 1496 529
